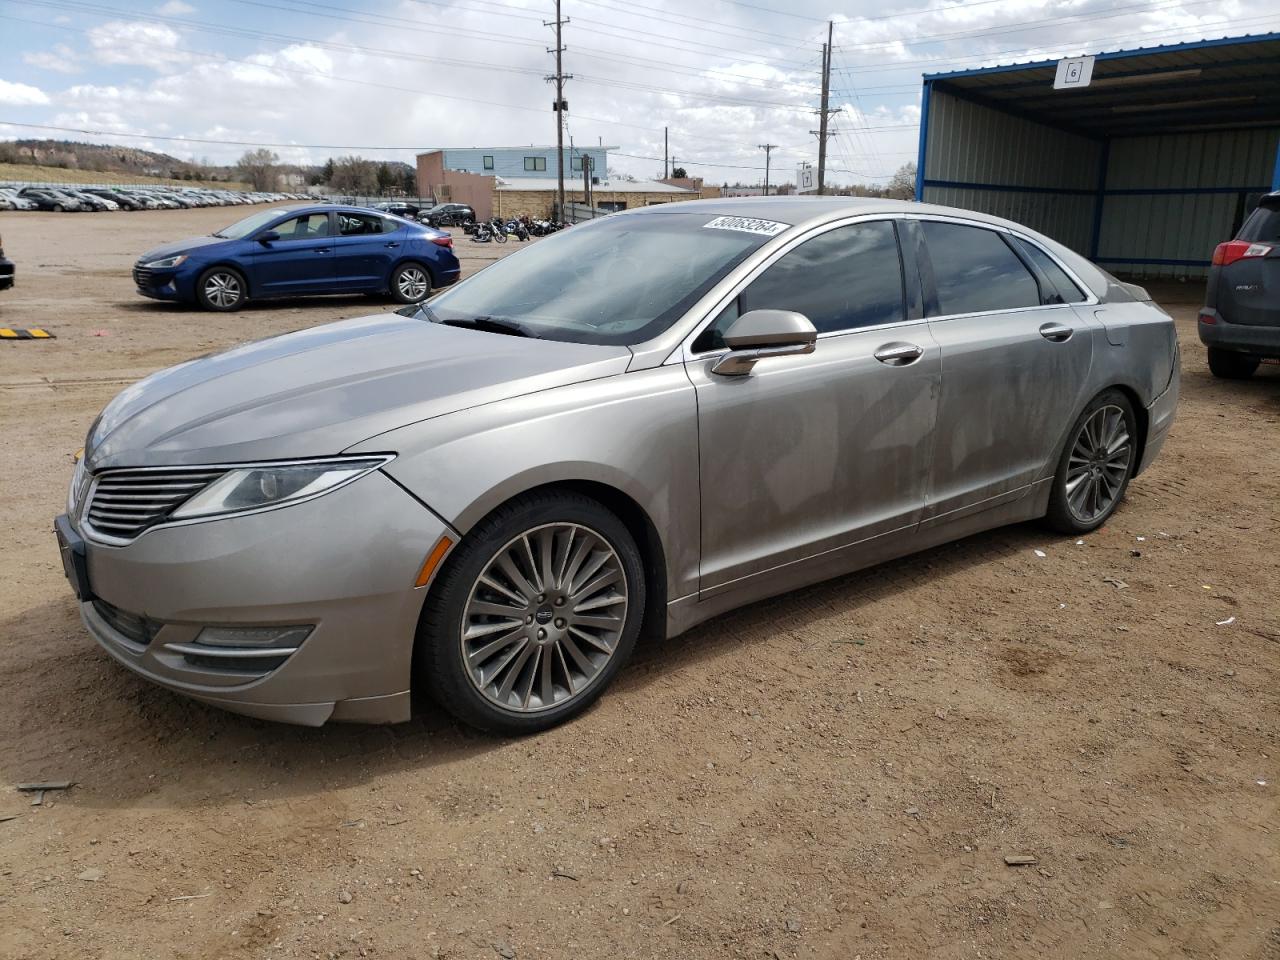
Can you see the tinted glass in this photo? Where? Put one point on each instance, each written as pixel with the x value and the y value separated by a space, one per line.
pixel 846 278
pixel 359 224
pixel 975 270
pixel 619 280
pixel 1064 288
pixel 250 224
pixel 307 227
pixel 1263 225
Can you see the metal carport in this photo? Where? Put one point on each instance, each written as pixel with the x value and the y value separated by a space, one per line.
pixel 1144 170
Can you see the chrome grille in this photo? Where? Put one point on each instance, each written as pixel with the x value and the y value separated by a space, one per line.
pixel 126 502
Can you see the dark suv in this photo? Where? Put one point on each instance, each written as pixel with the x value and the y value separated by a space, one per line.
pixel 448 215
pixel 1240 320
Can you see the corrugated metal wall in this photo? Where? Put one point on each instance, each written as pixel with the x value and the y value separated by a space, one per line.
pixel 1174 197
pixel 971 149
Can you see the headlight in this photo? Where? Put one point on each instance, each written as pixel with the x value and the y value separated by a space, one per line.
pixel 274 484
pixel 167 262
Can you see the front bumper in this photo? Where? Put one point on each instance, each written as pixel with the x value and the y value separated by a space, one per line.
pixel 159 284
pixel 345 562
pixel 1259 340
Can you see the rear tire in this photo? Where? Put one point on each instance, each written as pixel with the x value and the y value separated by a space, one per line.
pixel 1230 365
pixel 514 641
pixel 1096 465
pixel 222 289
pixel 410 283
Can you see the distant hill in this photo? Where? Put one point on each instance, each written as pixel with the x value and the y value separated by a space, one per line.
pixel 31 173
pixel 98 158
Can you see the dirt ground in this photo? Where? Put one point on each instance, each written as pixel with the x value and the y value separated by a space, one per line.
pixel 838 773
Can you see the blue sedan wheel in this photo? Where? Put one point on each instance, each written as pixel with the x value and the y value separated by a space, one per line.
pixel 222 289
pixel 410 283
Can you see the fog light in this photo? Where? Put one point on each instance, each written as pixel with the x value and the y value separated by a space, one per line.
pixel 289 637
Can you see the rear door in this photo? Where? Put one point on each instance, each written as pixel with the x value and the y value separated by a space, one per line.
pixel 365 248
pixel 301 261
pixel 1015 364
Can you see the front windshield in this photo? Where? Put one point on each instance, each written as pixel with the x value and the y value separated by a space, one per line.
pixel 620 280
pixel 242 228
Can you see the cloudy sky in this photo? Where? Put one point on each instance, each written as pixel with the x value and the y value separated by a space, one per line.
pixel 317 78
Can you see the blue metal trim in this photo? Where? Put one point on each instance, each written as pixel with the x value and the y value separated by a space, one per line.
pixel 1153 262
pixel 1179 191
pixel 1098 192
pixel 1104 161
pixel 1112 55
pixel 1147 71
pixel 1008 187
pixel 1275 177
pixel 924 139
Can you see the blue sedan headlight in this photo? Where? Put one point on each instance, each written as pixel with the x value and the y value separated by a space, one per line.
pixel 167 263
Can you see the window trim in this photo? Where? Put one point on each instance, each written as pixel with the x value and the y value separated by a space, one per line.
pixel 1091 299
pixel 486 161
pixel 535 161
pixel 685 351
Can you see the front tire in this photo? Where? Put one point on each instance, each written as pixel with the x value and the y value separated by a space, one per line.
pixel 533 615
pixel 1094 471
pixel 222 289
pixel 410 283
pixel 1230 365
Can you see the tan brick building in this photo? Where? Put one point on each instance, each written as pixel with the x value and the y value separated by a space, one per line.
pixel 493 196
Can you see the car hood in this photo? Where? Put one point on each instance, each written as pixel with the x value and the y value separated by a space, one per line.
pixel 180 246
pixel 319 391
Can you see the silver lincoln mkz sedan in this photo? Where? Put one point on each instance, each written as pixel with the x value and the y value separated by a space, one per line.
pixel 637 423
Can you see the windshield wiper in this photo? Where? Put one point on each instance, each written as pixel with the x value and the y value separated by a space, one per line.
pixel 489 325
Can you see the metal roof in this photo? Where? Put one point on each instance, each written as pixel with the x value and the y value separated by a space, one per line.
pixel 573 181
pixel 1231 82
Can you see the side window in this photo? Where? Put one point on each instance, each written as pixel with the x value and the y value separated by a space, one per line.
pixel 488 163
pixel 975 270
pixel 535 163
pixel 576 164
pixel 309 227
pixel 359 224
pixel 1064 288
pixel 843 279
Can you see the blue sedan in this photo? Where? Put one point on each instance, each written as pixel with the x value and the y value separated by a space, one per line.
pixel 296 251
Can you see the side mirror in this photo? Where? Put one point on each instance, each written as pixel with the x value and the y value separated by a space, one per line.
pixel 760 334
pixel 267 236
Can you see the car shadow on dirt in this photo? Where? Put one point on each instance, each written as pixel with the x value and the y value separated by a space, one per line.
pixel 114 712
pixel 150 307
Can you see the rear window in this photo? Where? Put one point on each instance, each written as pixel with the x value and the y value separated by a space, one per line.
pixel 1263 225
pixel 975 271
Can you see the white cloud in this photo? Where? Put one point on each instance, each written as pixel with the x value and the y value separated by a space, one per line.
pixel 61 59
pixel 22 94
pixel 136 43
pixel 175 8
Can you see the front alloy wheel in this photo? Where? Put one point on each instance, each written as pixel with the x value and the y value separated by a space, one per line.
pixel 221 289
pixel 544 617
pixel 532 614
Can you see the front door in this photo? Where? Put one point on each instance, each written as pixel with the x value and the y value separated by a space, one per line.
pixel 301 261
pixel 1015 361
pixel 810 453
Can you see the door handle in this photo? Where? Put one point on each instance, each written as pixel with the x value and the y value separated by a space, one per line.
pixel 321 250
pixel 899 354
pixel 392 243
pixel 1057 332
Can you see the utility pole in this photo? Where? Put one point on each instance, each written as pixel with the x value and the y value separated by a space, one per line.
pixel 666 167
pixel 561 105
pixel 586 182
pixel 768 148
pixel 824 112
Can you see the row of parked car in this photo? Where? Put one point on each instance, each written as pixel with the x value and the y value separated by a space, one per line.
pixel 97 199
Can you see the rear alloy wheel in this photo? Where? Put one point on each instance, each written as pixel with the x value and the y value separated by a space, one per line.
pixel 57 208
pixel 221 289
pixel 410 283
pixel 1231 365
pixel 536 611
pixel 1100 458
